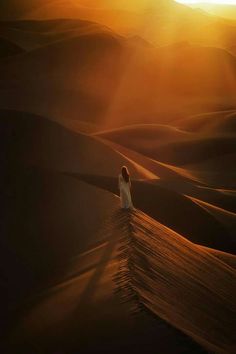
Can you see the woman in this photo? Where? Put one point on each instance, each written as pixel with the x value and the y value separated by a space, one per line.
pixel 124 186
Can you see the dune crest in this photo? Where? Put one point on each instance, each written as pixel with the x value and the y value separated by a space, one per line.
pixel 178 281
pixel 138 267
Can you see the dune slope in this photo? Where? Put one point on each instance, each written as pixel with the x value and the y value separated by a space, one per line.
pixel 222 122
pixel 46 144
pixel 142 269
pixel 172 277
pixel 173 146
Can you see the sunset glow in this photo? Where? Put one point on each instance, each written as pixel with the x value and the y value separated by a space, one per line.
pixel 221 2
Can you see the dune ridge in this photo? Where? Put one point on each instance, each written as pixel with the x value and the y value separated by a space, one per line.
pixel 86 87
pixel 173 147
pixel 222 121
pixel 171 276
pixel 151 279
pixel 92 290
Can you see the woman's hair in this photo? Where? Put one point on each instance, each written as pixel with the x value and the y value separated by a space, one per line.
pixel 125 174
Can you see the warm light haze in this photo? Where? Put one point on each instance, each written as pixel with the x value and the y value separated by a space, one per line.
pixel 220 8
pixel 221 2
pixel 118 176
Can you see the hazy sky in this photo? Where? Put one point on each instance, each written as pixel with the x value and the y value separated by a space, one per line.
pixel 10 9
pixel 224 2
pixel 222 8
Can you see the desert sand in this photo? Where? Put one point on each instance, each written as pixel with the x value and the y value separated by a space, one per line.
pixel 85 90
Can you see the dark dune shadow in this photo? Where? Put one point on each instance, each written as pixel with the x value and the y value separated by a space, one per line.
pixel 90 288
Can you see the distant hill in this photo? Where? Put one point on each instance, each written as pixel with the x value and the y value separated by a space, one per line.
pixel 87 72
pixel 33 34
pixel 150 135
pixel 173 146
pixel 76 75
pixel 221 122
pixel 160 22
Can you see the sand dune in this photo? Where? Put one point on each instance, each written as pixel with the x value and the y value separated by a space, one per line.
pixel 38 199
pixel 187 181
pixel 76 68
pixel 150 135
pixel 49 224
pixel 226 258
pixel 47 27
pixel 61 52
pixel 171 145
pixel 44 227
pixel 153 20
pixel 129 275
pixel 84 268
pixel 221 122
pixel 46 144
pixel 80 97
pixel 118 19
pixel 54 227
pixel 216 172
pixel 90 284
pixel 44 211
pixel 34 34
pixel 171 208
pixel 227 218
pixel 91 73
pixel 152 258
pixel 58 211
pixel 80 126
pixel 194 151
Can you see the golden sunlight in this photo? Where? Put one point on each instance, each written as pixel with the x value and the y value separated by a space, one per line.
pixel 221 2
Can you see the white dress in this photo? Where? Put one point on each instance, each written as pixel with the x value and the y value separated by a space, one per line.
pixel 125 195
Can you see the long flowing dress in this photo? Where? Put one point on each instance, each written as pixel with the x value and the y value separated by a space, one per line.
pixel 125 195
